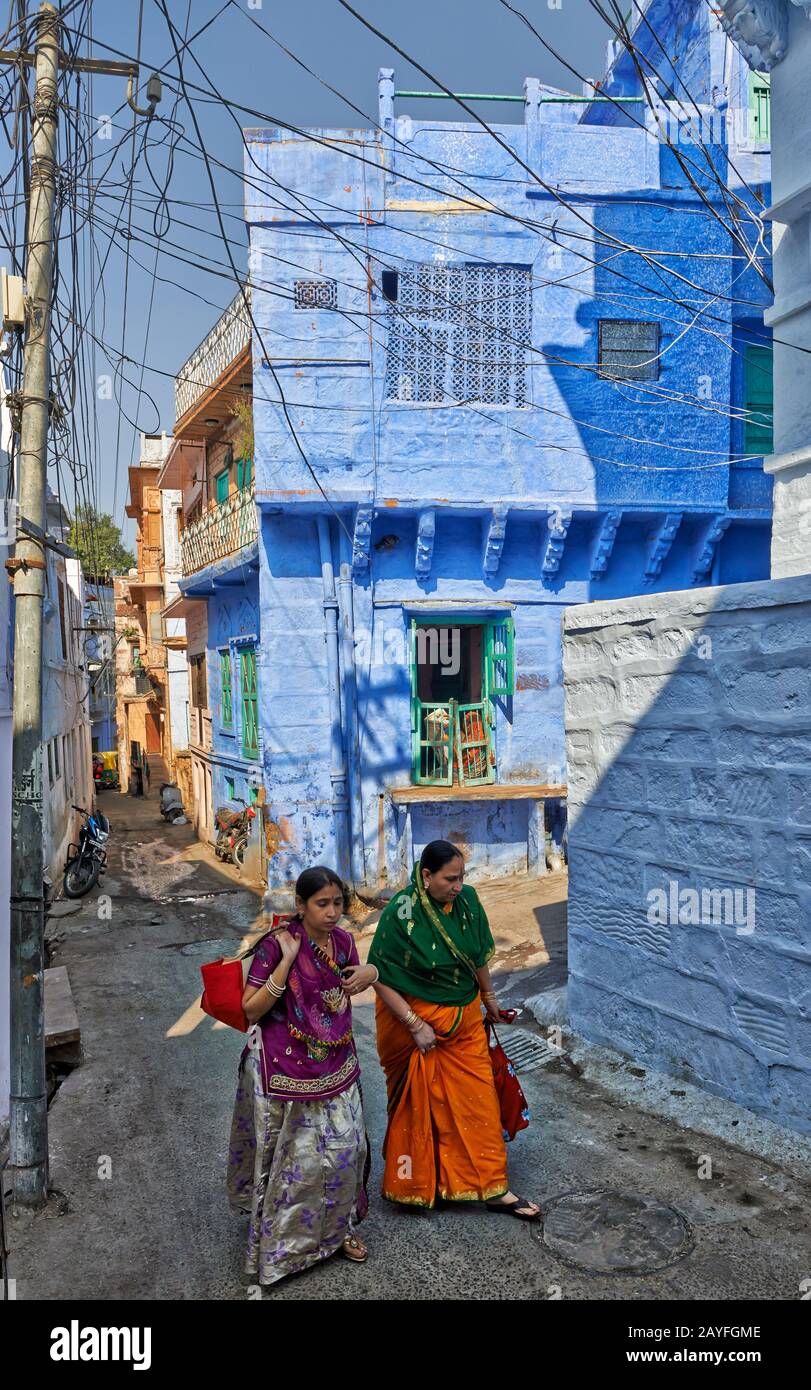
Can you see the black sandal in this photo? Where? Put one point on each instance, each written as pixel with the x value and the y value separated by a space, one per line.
pixel 514 1209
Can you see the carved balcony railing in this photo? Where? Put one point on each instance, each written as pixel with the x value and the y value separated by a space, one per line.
pixel 230 335
pixel 224 530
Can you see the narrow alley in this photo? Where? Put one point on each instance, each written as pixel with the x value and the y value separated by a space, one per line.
pixel 139 1130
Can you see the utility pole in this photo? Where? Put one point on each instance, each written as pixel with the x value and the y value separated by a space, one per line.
pixel 28 1161
pixel 29 1094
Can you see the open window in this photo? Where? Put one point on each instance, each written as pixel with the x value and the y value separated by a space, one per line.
pixel 459 672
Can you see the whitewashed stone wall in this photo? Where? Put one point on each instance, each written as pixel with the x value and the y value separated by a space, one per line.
pixel 688 725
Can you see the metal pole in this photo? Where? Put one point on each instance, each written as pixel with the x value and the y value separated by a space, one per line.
pixel 29 1099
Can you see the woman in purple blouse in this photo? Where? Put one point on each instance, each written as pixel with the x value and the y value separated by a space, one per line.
pixel 298 1157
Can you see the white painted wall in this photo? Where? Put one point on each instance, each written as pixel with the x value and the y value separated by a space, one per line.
pixel 66 759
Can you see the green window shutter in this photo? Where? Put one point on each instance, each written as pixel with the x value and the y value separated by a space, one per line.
pixel 250 703
pixel 226 702
pixel 244 473
pixel 415 703
pixel 432 731
pixel 758 400
pixel 499 659
pixel 474 744
pixel 759 108
pixel 221 482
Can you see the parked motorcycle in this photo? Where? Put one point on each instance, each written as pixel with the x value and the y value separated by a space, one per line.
pixel 233 829
pixel 87 859
pixel 171 803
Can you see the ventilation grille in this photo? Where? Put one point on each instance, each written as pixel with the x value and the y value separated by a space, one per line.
pixel 315 294
pixel 526 1050
pixel 460 333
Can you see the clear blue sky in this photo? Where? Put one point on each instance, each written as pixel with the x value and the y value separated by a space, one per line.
pixel 471 45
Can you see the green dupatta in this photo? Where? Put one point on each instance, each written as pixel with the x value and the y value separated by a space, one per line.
pixel 422 951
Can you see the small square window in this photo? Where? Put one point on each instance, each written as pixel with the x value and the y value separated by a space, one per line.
pixel 253 795
pixel 315 294
pixel 230 788
pixel 628 349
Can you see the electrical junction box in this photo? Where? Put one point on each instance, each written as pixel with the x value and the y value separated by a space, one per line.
pixel 13 301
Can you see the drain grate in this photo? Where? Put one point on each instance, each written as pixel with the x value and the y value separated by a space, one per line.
pixel 527 1050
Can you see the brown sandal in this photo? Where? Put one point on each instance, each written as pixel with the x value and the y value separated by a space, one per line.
pixel 518 1209
pixel 355 1250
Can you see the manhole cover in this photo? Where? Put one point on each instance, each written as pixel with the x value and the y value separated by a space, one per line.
pixel 609 1232
pixel 527 1050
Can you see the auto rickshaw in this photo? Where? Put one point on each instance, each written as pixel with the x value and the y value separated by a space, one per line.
pixel 105 770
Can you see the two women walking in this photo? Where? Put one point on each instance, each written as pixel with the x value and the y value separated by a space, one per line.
pixel 299 1155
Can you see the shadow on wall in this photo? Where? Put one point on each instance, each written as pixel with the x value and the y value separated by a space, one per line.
pixel 689 746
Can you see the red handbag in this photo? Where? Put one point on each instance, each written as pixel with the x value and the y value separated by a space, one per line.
pixel 511 1099
pixel 224 986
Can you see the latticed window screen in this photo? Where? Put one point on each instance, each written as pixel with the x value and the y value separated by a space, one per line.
pixel 250 703
pixel 315 294
pixel 226 702
pixel 628 349
pixel 460 333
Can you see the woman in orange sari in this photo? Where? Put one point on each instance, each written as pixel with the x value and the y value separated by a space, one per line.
pixel 431 948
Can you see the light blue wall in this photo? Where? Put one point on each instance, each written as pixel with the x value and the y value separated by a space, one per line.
pixel 688 740
pixel 586 450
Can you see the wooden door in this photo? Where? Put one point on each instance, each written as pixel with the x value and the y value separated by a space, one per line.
pixel 154 743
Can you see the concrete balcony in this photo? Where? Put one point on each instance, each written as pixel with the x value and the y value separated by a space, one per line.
pixel 228 342
pixel 224 530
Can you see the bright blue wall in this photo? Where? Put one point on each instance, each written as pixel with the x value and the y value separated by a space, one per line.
pixel 233 618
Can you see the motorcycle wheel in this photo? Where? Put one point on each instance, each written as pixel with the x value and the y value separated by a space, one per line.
pixel 80 876
pixel 238 852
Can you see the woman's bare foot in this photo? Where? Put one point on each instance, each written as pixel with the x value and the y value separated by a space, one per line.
pixel 354 1249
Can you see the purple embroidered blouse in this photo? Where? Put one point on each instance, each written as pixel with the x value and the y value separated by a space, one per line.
pixel 307 1049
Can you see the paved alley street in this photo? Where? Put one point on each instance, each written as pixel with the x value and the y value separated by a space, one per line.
pixel 149 1108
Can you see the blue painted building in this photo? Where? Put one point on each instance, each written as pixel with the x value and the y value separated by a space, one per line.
pixel 99 619
pixel 496 371
pixel 210 464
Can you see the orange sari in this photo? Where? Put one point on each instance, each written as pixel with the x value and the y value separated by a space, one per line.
pixel 444 1135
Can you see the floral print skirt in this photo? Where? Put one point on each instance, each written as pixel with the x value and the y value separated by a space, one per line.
pixel 297 1168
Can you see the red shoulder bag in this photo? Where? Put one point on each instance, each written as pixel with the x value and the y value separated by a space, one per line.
pixel 224 986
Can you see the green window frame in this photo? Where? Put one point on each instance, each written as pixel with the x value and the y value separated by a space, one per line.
pixel 250 702
pixel 758 400
pixel 453 739
pixel 230 788
pixel 759 108
pixel 226 691
pixel 244 473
